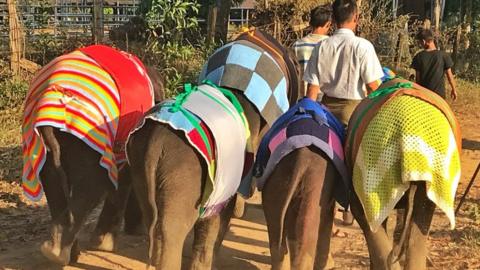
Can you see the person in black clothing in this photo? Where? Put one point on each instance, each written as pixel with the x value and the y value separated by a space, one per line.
pixel 431 66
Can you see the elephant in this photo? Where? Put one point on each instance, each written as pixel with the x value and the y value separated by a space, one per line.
pixel 75 183
pixel 301 172
pixel 169 175
pixel 415 194
pixel 299 207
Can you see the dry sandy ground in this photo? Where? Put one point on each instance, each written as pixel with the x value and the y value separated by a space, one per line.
pixel 23 226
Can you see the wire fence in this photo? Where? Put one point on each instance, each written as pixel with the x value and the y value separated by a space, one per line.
pixel 64 20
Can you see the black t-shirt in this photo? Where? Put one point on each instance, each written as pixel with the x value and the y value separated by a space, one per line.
pixel 432 66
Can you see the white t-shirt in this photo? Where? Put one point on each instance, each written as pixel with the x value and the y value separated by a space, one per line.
pixel 342 65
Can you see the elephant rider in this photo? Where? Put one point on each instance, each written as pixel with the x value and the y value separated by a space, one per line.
pixel 344 67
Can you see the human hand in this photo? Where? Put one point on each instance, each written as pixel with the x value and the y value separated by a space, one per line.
pixel 453 94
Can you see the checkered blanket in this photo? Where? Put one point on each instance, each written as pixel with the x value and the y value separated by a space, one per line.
pixel 244 66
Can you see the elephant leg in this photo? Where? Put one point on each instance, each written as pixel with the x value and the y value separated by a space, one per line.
pixel 63 248
pixel 421 219
pixel 209 234
pixel 57 203
pixel 206 232
pixel 74 185
pixel 225 217
pixel 379 245
pixel 278 243
pixel 323 259
pixel 133 216
pixel 303 219
pixel 177 203
pixel 172 229
pixel 389 226
pixel 110 219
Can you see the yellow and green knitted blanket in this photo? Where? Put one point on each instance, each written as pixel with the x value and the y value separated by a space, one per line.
pixel 411 136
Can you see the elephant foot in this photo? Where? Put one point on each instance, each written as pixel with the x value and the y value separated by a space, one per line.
pixel 103 242
pixel 55 253
pixel 75 253
pixel 347 218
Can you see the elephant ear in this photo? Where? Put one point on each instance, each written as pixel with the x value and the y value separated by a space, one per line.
pixel 157 82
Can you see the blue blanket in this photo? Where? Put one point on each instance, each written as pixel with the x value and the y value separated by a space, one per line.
pixel 306 123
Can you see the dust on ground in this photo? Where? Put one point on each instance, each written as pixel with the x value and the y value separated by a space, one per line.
pixel 24 225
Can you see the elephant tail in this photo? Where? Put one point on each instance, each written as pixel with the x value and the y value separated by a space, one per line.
pixel 399 248
pixel 52 144
pixel 142 155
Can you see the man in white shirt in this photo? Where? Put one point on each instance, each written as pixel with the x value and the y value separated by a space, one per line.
pixel 320 23
pixel 344 67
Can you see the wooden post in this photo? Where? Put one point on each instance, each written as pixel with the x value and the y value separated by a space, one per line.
pixel 212 22
pixel 97 21
pixel 15 38
pixel 222 20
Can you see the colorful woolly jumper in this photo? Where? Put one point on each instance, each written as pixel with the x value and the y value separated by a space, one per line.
pixel 307 123
pixel 403 133
pixel 75 94
pixel 214 123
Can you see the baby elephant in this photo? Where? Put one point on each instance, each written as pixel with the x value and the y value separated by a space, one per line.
pixel 299 183
pixel 78 113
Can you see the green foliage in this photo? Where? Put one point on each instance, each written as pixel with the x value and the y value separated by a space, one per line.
pixel 178 63
pixel 170 18
pixel 172 44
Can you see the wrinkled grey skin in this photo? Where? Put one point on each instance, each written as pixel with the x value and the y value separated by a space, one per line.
pixel 74 184
pixel 168 177
pixel 419 213
pixel 299 209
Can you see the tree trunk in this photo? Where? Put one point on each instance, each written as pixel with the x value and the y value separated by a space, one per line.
pixel 223 18
pixel 462 61
pixel 212 22
pixel 97 21
pixel 456 47
pixel 437 10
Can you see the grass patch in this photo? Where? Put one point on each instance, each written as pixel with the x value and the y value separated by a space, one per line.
pixel 468 99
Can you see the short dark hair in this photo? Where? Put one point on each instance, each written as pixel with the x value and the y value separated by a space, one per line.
pixel 425 34
pixel 343 10
pixel 320 16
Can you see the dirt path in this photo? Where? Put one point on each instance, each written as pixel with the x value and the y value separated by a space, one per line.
pixel 23 226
